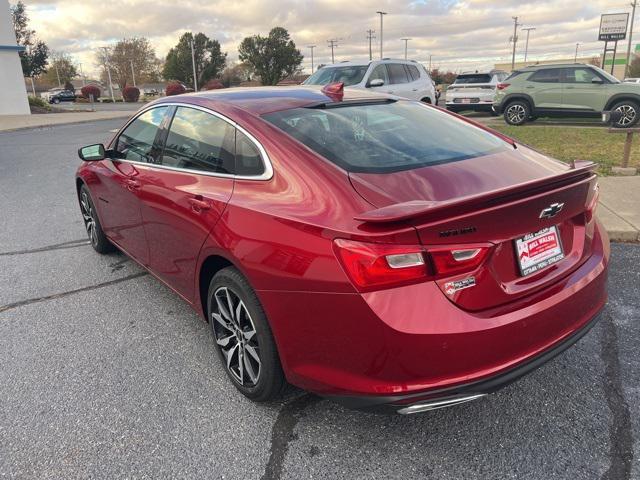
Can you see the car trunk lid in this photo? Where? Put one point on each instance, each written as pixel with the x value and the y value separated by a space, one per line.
pixel 498 201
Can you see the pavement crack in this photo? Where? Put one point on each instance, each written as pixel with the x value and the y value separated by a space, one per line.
pixel 29 301
pixel 620 433
pixel 57 246
pixel 282 433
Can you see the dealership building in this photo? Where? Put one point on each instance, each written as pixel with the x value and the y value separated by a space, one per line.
pixel 13 94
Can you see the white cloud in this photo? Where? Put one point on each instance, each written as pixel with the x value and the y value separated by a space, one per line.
pixel 457 33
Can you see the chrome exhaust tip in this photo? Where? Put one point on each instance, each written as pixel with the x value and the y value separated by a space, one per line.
pixel 436 404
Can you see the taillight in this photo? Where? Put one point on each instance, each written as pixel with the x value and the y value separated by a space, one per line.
pixel 448 261
pixel 590 212
pixel 502 86
pixel 372 266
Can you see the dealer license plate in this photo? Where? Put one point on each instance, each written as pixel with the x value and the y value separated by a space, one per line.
pixel 538 250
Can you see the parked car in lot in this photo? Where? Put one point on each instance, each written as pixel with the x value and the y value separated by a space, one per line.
pixel 357 245
pixel 573 90
pixel 63 96
pixel 404 78
pixel 474 91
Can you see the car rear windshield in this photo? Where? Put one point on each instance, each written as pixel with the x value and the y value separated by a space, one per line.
pixel 350 75
pixel 385 137
pixel 473 78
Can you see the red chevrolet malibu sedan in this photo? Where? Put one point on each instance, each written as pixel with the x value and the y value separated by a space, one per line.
pixel 378 251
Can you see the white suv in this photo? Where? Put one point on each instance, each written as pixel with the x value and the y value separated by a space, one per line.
pixel 474 91
pixel 404 78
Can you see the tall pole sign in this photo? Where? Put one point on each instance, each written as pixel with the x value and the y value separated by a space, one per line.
pixel 613 27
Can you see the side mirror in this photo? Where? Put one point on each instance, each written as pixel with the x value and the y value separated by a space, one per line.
pixel 377 82
pixel 92 153
pixel 597 81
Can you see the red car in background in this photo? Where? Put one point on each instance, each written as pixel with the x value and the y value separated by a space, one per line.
pixel 378 251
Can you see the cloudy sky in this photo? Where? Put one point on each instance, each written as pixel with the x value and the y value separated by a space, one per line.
pixel 459 34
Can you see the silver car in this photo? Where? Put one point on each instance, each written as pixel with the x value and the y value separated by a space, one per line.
pixel 404 78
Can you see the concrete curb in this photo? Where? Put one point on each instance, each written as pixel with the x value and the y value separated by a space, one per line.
pixel 12 123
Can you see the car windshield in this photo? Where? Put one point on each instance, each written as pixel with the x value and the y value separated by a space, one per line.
pixel 473 78
pixel 607 75
pixel 350 75
pixel 385 136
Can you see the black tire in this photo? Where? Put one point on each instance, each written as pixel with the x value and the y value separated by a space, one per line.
pixel 517 112
pixel 426 100
pixel 56 100
pixel 265 380
pixel 630 114
pixel 98 239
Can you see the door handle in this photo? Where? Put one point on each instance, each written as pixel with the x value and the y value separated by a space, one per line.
pixel 568 88
pixel 131 184
pixel 198 204
pixel 530 86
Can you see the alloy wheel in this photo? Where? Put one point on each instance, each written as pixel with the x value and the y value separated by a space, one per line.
pixel 88 217
pixel 628 114
pixel 235 333
pixel 516 113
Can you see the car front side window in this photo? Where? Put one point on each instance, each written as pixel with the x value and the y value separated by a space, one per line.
pixel 137 141
pixel 379 73
pixel 200 141
pixel 580 75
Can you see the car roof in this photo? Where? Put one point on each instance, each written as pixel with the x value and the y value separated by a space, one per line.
pixel 553 65
pixel 261 100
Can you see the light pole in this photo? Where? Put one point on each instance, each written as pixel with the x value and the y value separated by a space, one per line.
pixel 382 14
pixel 370 36
pixel 113 99
pixel 84 79
pixel 526 45
pixel 57 72
pixel 133 74
pixel 311 47
pixel 575 57
pixel 633 14
pixel 515 40
pixel 193 62
pixel 333 43
pixel 406 41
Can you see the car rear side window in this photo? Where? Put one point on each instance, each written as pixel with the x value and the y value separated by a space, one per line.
pixel 548 75
pixel 199 141
pixel 385 137
pixel 137 141
pixel 397 73
pixel 248 159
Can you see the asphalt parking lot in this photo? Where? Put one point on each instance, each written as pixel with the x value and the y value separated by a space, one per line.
pixel 105 373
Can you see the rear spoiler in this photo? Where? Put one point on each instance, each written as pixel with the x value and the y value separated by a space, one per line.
pixel 420 208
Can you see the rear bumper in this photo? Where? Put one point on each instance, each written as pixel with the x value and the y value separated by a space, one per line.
pixel 391 348
pixel 460 393
pixel 476 107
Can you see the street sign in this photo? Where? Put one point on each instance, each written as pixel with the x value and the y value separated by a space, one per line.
pixel 613 27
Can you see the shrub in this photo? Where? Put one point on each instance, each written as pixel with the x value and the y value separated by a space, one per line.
pixel 213 85
pixel 37 102
pixel 131 93
pixel 175 88
pixel 90 90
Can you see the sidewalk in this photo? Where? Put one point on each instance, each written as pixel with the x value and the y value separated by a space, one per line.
pixel 18 122
pixel 619 209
